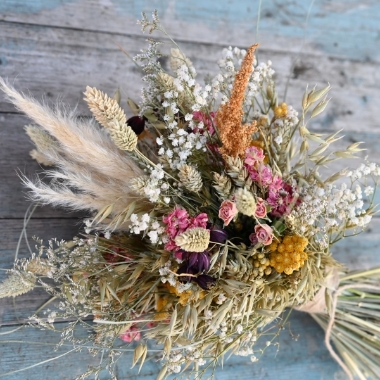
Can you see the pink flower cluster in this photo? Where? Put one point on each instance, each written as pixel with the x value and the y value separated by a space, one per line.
pixel 177 222
pixel 260 173
pixel 282 200
pixel 207 120
pixel 253 156
pixel 280 194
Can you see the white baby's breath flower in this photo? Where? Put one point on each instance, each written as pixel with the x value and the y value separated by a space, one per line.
pixel 153 236
pixel 278 139
pixel 221 299
pixel 368 190
pixel 208 314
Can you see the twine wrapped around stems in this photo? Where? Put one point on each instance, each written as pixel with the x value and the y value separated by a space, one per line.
pixel 318 306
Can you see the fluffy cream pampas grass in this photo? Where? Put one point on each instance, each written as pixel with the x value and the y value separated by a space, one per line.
pixel 92 173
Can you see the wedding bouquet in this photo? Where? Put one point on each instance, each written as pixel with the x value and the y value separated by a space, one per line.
pixel 208 218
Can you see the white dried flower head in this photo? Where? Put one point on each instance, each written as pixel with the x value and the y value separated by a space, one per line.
pixel 123 135
pixel 104 108
pixel 16 284
pixel 190 178
pixel 194 239
pixel 245 202
pixel 138 184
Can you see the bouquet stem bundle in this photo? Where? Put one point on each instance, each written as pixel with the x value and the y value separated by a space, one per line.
pixel 352 323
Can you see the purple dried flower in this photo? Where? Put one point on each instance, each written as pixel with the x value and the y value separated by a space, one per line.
pixel 204 281
pixel 137 124
pixel 185 269
pixel 218 235
pixel 197 261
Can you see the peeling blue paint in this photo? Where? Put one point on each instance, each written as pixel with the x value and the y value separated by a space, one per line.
pixel 30 6
pixel 348 29
pixel 342 28
pixel 3 61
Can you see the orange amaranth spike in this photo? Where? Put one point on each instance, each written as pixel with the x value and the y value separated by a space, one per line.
pixel 235 137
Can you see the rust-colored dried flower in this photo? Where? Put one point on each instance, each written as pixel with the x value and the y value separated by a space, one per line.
pixel 235 137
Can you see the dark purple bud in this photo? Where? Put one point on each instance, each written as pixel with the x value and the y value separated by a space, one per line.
pixel 197 261
pixel 193 260
pixel 183 269
pixel 218 235
pixel 203 261
pixel 137 124
pixel 184 254
pixel 204 281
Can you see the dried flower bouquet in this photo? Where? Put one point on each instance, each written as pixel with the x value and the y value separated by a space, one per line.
pixel 209 216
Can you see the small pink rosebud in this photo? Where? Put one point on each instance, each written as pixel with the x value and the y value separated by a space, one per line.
pixel 264 234
pixel 227 211
pixel 261 209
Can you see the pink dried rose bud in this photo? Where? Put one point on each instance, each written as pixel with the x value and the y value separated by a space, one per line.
pixel 253 238
pixel 264 234
pixel 227 211
pixel 131 334
pixel 261 208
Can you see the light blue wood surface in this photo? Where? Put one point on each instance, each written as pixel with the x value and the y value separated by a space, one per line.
pixel 57 47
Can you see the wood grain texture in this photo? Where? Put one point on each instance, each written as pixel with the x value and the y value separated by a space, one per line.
pixel 61 62
pixel 54 48
pixel 336 28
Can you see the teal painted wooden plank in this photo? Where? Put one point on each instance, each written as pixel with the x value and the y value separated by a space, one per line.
pixel 59 63
pixel 348 29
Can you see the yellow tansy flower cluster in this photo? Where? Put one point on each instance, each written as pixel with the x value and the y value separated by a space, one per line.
pixel 281 110
pixel 288 255
pixel 261 265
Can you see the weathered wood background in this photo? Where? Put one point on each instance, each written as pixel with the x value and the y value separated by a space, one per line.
pixel 54 48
